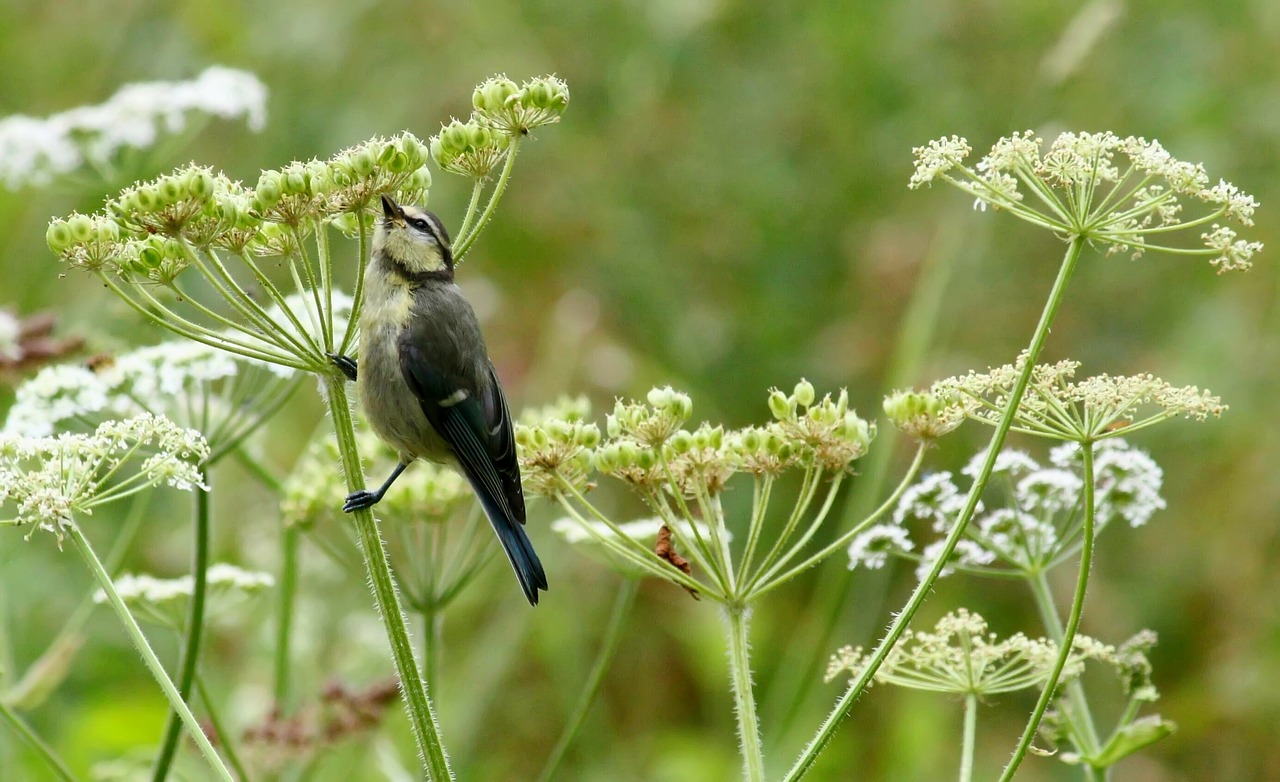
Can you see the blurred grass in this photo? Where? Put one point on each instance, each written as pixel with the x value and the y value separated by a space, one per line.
pixel 724 208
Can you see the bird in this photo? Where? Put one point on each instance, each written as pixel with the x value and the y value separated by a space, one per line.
pixel 426 383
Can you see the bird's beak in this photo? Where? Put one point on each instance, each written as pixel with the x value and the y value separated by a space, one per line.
pixel 392 210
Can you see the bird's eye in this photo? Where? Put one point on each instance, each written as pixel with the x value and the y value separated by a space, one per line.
pixel 420 224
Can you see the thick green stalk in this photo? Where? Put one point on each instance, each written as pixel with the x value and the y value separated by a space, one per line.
pixel 220 730
pixel 737 619
pixel 194 633
pixel 286 591
pixel 37 744
pixel 148 655
pixel 417 703
pixel 970 736
pixel 1069 634
pixel 1080 716
pixel 608 645
pixel 805 762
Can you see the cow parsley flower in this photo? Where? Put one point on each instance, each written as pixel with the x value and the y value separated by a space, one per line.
pixel 49 480
pixel 164 601
pixel 35 151
pixel 1126 194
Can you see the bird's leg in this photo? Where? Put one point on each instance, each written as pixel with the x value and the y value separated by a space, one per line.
pixel 367 499
pixel 346 364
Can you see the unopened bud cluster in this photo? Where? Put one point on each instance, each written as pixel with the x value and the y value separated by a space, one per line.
pixel 924 416
pixel 502 111
pixel 147 232
pixel 825 431
pixel 556 452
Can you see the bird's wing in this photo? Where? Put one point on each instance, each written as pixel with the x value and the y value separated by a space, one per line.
pixel 473 419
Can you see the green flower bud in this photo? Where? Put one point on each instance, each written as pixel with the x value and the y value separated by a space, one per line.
pixel 628 454
pixel 199 183
pixel 293 182
pixel 608 458
pixel 399 163
pixel 106 231
pixel 659 397
pixel 455 137
pixel 612 426
pixel 170 190
pixel 479 135
pixel 752 440
pixel 363 162
pixel 269 191
pixel 588 436
pixel 522 436
pixel 317 177
pixel 557 430
pixel 647 459
pixel 804 393
pixel 492 95
pixel 419 179
pixel 81 228
pixel 540 439
pixel 781 405
pixel 413 149
pixel 681 442
pixel 147 198
pixel 59 237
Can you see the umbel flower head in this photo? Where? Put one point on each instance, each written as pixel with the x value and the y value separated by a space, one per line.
pixel 35 151
pixel 1127 194
pixel 1035 526
pixel 50 480
pixel 1058 407
pixel 164 601
pixel 194 385
pixel 962 656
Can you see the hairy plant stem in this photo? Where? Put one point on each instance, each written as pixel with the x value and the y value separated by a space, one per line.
pixel 285 594
pixel 737 619
pixel 970 735
pixel 464 242
pixel 1041 334
pixel 1068 637
pixel 37 744
pixel 220 731
pixel 194 631
pixel 417 701
pixel 148 655
pixel 622 605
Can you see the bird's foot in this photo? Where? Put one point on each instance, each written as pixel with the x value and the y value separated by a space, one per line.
pixel 346 364
pixel 359 500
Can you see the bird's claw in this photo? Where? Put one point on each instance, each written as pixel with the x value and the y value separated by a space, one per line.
pixel 346 364
pixel 359 500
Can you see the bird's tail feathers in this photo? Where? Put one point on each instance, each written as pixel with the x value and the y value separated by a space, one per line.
pixel 519 549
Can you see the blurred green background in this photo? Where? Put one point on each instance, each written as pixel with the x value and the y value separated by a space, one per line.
pixel 723 209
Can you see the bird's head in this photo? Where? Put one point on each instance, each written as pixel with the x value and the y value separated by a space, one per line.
pixel 413 239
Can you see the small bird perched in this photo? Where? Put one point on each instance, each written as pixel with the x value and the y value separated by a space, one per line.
pixel 426 382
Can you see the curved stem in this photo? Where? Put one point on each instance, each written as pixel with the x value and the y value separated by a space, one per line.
pixel 737 617
pixel 417 703
pixel 357 294
pixel 1073 624
pixel 465 242
pixel 970 733
pixel 622 605
pixel 1080 714
pixel 37 744
pixel 195 631
pixel 148 655
pixel 477 189
pixel 810 753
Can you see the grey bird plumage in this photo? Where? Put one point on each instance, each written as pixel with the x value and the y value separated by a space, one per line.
pixel 426 382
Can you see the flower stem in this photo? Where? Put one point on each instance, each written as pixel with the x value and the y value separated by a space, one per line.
pixel 1069 634
pixel 805 762
pixel 37 744
pixel 286 592
pixel 148 656
pixel 1079 715
pixel 970 733
pixel 417 703
pixel 194 634
pixel 219 729
pixel 464 242
pixel 737 618
pixel 608 645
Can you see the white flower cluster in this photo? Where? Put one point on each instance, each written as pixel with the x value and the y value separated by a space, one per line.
pixel 962 656
pixel 193 384
pixel 164 600
pixel 1122 192
pixel 50 479
pixel 34 151
pixel 1038 524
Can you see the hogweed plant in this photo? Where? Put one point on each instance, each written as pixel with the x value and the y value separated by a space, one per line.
pixel 52 482
pixel 1119 195
pixel 252 271
pixel 681 476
